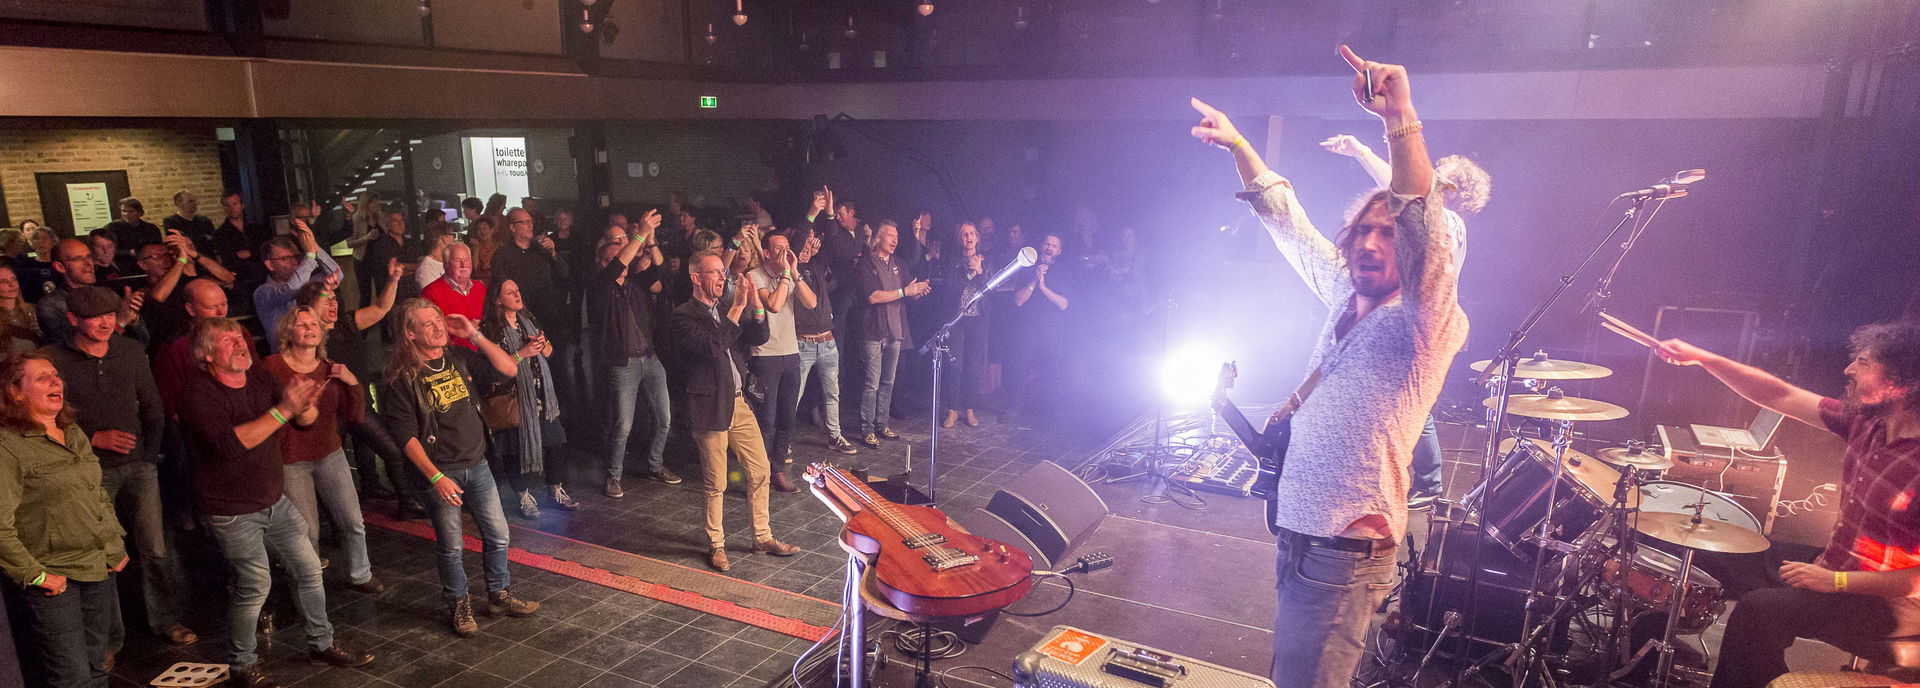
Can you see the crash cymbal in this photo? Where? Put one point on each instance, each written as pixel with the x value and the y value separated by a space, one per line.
pixel 1708 535
pixel 1641 459
pixel 1552 407
pixel 1551 369
pixel 1597 476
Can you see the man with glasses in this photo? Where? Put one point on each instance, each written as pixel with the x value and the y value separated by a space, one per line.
pixel 288 269
pixel 73 265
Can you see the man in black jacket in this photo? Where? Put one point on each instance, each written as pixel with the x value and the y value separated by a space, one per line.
pixel 110 383
pixel 618 306
pixel 711 340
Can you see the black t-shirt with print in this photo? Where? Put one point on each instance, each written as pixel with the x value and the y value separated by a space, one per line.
pixel 440 406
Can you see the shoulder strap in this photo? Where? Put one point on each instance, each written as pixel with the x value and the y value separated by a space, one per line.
pixel 1300 394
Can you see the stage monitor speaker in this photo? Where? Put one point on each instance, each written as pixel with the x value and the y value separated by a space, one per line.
pixel 1044 512
pixel 1069 657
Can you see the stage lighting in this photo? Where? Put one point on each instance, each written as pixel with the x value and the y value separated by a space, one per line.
pixel 925 8
pixel 1187 376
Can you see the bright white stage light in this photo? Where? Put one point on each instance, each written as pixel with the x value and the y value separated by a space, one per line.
pixel 1189 374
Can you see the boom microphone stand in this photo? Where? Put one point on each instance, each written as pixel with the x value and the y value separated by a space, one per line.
pixel 936 346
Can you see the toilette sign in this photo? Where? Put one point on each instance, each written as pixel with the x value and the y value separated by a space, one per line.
pixel 497 164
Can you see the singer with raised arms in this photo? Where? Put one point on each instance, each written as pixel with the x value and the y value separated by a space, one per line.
pixel 1389 274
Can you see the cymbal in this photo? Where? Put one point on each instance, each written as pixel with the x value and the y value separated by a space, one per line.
pixel 1644 460
pixel 1559 408
pixel 1597 476
pixel 1708 535
pixel 1550 369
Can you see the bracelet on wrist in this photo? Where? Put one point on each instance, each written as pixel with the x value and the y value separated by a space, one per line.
pixel 1839 581
pixel 183 260
pixel 437 475
pixel 1404 131
pixel 277 415
pixel 42 578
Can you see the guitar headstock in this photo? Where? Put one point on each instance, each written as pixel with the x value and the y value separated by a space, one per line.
pixel 1228 372
pixel 817 473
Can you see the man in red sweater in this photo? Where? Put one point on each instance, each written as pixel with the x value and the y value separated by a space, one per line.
pixel 457 292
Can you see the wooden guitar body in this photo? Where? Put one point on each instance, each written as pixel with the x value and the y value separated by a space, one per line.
pixel 998 576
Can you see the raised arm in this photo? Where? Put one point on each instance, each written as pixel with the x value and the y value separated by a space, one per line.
pixel 368 316
pixel 1375 166
pixel 502 361
pixel 1309 252
pixel 1392 101
pixel 1756 385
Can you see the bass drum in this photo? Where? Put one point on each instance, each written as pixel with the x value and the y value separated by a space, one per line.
pixel 1441 582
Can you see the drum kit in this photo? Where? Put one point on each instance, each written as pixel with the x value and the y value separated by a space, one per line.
pixel 1554 542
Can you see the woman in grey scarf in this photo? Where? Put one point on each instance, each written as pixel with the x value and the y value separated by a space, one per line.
pixel 533 447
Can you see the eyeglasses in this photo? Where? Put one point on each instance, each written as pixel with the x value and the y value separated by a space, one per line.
pixel 710 272
pixel 283 258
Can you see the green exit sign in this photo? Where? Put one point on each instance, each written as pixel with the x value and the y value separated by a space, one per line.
pixel 709 102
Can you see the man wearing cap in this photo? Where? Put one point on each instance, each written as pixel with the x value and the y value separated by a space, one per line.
pixel 110 384
pixel 73 265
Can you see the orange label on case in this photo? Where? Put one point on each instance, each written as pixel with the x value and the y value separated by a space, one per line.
pixel 1073 647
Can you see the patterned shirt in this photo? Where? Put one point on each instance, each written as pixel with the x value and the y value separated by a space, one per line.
pixel 1879 524
pixel 1353 438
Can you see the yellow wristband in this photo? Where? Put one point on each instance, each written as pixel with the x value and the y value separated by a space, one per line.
pixel 1839 581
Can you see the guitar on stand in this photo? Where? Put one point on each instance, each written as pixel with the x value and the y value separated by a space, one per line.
pixel 912 563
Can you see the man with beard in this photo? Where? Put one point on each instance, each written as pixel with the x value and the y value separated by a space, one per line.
pixel 1390 280
pixel 1865 588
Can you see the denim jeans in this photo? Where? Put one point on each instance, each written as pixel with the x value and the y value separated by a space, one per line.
pixel 482 499
pixel 1327 597
pixel 876 397
pixel 826 356
pixel 244 540
pixel 780 383
pixel 629 381
pixel 135 489
pixel 1426 461
pixel 68 632
pixel 328 480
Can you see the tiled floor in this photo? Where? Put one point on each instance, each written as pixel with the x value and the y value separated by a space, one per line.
pixel 585 634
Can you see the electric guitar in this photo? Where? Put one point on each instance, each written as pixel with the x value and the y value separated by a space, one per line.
pixel 1268 445
pixel 923 563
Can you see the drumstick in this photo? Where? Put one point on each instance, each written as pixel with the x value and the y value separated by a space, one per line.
pixel 1629 335
pixel 1628 330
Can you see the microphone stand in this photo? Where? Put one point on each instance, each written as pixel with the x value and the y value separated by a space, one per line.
pixel 936 346
pixel 1499 371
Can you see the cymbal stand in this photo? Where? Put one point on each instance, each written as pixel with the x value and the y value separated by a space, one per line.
pixel 1626 549
pixel 1562 436
pixel 1663 677
pixel 1530 654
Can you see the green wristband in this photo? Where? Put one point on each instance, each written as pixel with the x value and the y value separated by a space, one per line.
pixel 42 578
pixel 183 260
pixel 276 416
pixel 517 358
pixel 437 475
pixel 903 292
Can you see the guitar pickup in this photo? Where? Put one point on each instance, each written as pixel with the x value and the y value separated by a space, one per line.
pixel 925 540
pixel 949 559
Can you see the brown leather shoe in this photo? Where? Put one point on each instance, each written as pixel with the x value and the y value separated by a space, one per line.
pixel 253 677
pixel 371 586
pixel 339 656
pixel 460 616
pixel 718 559
pixel 782 484
pixel 952 417
pixel 180 635
pixel 775 548
pixel 505 602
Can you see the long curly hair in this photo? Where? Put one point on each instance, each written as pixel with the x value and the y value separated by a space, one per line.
pixel 1896 346
pixel 403 358
pixel 1469 187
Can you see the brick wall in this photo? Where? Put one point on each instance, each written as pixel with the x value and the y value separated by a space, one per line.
pixel 158 163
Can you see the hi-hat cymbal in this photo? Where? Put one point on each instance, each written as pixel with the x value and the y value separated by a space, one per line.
pixel 1708 535
pixel 1643 460
pixel 1559 408
pixel 1550 369
pixel 1597 476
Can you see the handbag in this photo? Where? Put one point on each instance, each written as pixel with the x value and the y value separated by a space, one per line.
pixel 501 411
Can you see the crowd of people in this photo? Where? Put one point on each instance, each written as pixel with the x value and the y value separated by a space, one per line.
pixel 236 378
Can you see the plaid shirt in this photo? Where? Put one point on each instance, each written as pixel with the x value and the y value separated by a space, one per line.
pixel 1879 525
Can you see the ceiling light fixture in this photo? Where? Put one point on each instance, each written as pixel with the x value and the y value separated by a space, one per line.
pixel 423 8
pixel 1020 18
pixel 850 32
pixel 586 21
pixel 739 14
pixel 925 8
pixel 710 35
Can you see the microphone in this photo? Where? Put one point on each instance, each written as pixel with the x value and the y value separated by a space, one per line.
pixel 1671 187
pixel 1025 259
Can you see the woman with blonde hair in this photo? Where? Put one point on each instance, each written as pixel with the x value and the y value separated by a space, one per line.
pixel 366 223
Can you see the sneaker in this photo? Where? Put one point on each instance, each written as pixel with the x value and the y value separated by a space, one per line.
pixel 840 444
pixel 563 500
pixel 782 484
pixel 775 548
pixel 529 507
pixel 371 586
pixel 888 433
pixel 664 476
pixel 717 558
pixel 339 657
pixel 871 440
pixel 613 488
pixel 460 615
pixel 504 602
pixel 253 677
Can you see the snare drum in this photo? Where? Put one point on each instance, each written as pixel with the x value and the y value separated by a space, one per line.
pixel 1518 502
pixel 1652 580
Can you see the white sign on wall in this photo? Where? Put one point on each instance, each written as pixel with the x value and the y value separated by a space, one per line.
pixel 91 206
pixel 497 164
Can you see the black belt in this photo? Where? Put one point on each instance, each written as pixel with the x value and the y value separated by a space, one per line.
pixel 1346 544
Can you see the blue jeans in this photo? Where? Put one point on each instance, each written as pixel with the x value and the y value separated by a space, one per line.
pixel 1327 597
pixel 638 375
pixel 68 633
pixel 329 480
pixel 244 540
pixel 482 499
pixel 876 398
pixel 135 488
pixel 1426 461
pixel 825 355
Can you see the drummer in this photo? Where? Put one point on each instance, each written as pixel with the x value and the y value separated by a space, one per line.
pixel 1865 588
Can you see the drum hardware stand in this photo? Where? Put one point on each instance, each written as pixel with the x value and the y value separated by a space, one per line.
pixel 1626 550
pixel 1545 538
pixel 1663 675
pixel 1530 654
